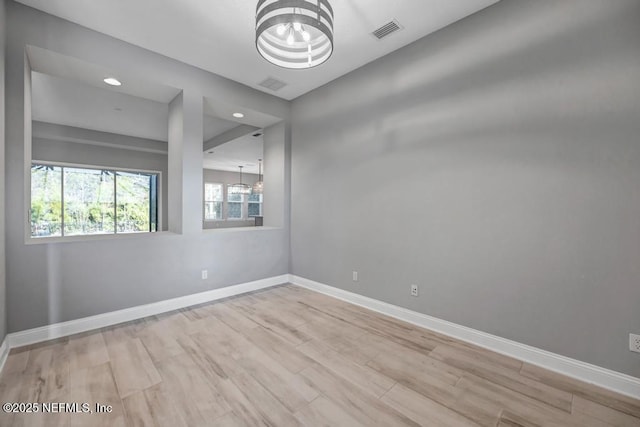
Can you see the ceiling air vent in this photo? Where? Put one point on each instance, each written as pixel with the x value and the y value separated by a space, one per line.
pixel 386 29
pixel 272 84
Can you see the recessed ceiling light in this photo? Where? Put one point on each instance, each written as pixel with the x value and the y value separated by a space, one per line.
pixel 238 115
pixel 112 81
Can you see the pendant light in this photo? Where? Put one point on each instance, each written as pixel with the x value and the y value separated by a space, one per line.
pixel 240 188
pixel 296 34
pixel 258 187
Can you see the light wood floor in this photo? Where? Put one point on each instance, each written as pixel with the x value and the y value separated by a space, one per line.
pixel 288 356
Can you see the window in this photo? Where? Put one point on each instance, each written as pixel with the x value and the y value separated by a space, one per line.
pixel 213 199
pixel 255 205
pixel 234 205
pixel 80 201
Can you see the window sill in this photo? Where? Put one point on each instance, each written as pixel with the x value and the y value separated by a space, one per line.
pixel 96 237
pixel 236 229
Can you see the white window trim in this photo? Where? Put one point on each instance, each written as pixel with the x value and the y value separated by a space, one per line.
pixel 243 217
pixel 54 239
pixel 259 203
pixel 204 201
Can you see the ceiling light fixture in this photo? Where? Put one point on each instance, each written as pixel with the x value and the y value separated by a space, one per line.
pixel 112 81
pixel 295 34
pixel 240 188
pixel 238 115
pixel 258 187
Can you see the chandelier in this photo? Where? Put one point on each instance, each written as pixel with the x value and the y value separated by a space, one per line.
pixel 239 188
pixel 258 187
pixel 295 34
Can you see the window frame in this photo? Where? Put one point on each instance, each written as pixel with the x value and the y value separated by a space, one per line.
pixel 29 239
pixel 242 202
pixel 260 204
pixel 205 201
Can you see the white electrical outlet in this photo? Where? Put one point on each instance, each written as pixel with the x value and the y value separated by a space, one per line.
pixel 414 290
pixel 205 274
pixel 355 276
pixel 634 343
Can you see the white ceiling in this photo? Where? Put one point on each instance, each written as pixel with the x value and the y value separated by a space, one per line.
pixel 71 103
pixel 76 70
pixel 218 35
pixel 107 109
pixel 84 101
pixel 219 108
pixel 71 92
pixel 244 151
pixel 214 126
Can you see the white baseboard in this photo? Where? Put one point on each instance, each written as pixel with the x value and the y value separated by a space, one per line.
pixel 57 330
pixel 606 378
pixel 4 353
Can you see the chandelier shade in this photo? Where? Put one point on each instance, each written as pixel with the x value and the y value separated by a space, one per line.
pixel 239 188
pixel 296 34
pixel 258 187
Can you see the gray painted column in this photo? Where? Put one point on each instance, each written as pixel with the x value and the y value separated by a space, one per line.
pixel 175 167
pixel 185 163
pixel 274 175
pixel 192 186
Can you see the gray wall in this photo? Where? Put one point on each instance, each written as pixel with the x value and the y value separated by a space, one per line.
pixel 3 304
pixel 227 178
pixel 496 164
pixel 44 149
pixel 54 282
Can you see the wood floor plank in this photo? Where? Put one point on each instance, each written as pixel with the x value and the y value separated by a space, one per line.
pixel 224 339
pixel 532 410
pixel 212 360
pixel 87 351
pixel 132 366
pixel 361 405
pixel 263 405
pixel 161 406
pixel 605 397
pixel 603 413
pixel 422 410
pixel 193 395
pixel 16 362
pixel 10 389
pixel 323 327
pixel 322 412
pixel 507 419
pixel 230 420
pixel 393 330
pixel 278 349
pixel 96 385
pixel 270 321
pixel 482 410
pixel 231 317
pixel 140 412
pixel 363 376
pixel 474 363
pixel 40 383
pixel 289 388
pixel 360 350
pixel 287 314
pixel 290 356
pixel 242 407
pixel 44 379
pixel 405 366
